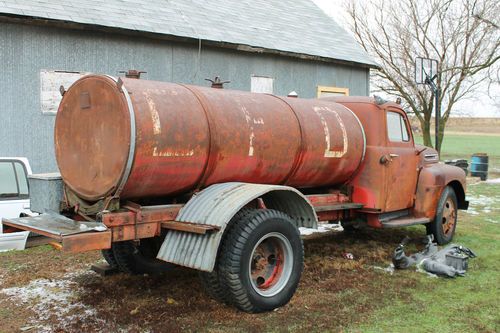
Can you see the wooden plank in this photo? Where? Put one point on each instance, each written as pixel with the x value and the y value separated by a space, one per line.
pixel 88 241
pixel 189 227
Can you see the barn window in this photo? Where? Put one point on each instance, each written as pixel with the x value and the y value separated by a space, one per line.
pixel 324 91
pixel 262 84
pixel 50 81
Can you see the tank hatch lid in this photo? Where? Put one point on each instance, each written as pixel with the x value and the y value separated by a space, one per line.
pixel 93 136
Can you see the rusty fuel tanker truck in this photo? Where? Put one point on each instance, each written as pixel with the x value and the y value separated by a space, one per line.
pixel 155 174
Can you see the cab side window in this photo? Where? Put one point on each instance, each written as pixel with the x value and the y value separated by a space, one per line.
pixel 13 182
pixel 396 128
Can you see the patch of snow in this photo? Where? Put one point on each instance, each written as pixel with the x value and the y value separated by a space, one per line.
pixel 491 220
pixel 482 204
pixel 493 181
pixel 52 298
pixel 323 227
pixel 389 269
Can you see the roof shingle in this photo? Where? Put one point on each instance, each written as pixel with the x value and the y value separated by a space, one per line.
pixel 296 26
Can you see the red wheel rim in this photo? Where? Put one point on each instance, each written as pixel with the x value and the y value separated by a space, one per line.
pixel 270 264
pixel 449 217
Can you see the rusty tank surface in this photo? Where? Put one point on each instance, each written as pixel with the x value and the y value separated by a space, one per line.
pixel 137 138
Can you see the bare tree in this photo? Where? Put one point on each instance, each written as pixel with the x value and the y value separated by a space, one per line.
pixel 462 35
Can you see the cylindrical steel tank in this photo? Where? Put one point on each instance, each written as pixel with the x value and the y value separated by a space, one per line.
pixel 139 138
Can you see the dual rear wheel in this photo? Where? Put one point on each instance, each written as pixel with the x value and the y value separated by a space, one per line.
pixel 137 257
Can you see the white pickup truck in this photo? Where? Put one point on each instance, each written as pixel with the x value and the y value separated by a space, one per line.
pixel 14 190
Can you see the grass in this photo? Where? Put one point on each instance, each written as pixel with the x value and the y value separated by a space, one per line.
pixel 457 146
pixel 468 304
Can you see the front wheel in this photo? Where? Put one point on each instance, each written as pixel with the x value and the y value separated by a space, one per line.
pixel 261 261
pixel 444 225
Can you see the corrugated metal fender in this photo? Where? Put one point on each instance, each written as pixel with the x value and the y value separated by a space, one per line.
pixel 216 205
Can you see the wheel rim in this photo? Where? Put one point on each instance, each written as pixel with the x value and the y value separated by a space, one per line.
pixel 449 216
pixel 271 264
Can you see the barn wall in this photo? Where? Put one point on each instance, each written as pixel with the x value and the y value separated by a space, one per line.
pixel 26 50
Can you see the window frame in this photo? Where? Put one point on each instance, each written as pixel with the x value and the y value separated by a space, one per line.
pixel 19 196
pixel 403 120
pixel 331 89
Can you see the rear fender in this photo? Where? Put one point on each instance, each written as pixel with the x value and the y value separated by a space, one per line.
pixel 216 206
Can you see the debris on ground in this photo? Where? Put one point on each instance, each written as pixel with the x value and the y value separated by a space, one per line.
pixel 13 240
pixel 450 261
pixel 348 256
pixel 389 269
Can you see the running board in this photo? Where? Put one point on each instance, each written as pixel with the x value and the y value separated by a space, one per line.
pixel 405 222
pixel 73 236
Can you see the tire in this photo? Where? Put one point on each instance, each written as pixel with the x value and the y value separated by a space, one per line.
pixel 261 261
pixel 444 225
pixel 109 257
pixel 210 280
pixel 140 258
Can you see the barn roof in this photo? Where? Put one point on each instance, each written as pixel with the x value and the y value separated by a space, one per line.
pixel 291 27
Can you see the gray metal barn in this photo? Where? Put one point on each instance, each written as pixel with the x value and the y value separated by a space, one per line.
pixel 260 45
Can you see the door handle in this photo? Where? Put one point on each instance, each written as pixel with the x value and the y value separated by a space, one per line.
pixel 386 159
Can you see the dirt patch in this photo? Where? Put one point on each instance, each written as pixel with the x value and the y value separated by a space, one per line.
pixel 334 292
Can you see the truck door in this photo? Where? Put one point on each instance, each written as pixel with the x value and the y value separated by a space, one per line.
pixel 400 162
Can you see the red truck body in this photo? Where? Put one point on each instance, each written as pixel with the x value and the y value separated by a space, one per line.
pixel 166 170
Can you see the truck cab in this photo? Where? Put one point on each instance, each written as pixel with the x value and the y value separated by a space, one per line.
pixel 400 183
pixel 14 190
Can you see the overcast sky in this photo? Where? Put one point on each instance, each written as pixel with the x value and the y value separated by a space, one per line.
pixel 480 106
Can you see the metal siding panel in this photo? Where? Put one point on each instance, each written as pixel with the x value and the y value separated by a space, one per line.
pixel 28 49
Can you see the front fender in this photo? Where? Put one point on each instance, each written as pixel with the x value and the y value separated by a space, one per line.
pixel 431 183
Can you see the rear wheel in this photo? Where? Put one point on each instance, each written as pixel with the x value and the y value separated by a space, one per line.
pixel 444 225
pixel 261 261
pixel 140 257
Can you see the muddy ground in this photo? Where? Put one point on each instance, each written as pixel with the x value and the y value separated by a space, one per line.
pixel 42 289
